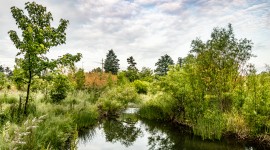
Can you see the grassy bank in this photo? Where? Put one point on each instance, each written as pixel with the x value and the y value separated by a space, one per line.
pixel 213 124
pixel 47 125
pixel 51 125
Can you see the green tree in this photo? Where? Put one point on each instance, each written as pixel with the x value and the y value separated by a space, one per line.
pixel 61 85
pixel 3 80
pixel 80 79
pixel 218 62
pixel 37 38
pixel 146 74
pixel 2 69
pixel 180 61
pixel 132 71
pixel 98 69
pixel 111 63
pixel 132 63
pixel 163 65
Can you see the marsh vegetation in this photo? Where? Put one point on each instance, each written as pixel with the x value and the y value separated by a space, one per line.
pixel 51 104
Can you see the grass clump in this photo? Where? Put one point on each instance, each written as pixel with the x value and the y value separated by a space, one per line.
pixel 116 99
pixel 85 116
pixel 160 106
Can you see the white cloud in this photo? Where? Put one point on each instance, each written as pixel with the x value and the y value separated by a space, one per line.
pixel 144 29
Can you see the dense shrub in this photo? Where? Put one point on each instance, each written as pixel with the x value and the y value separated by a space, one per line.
pixel 162 107
pixel 211 125
pixel 141 86
pixel 60 88
pixel 85 116
pixel 115 99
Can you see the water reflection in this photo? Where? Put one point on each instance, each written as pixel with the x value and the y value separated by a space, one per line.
pixel 130 133
pixel 123 132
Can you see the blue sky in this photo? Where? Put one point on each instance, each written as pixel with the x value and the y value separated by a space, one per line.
pixel 144 29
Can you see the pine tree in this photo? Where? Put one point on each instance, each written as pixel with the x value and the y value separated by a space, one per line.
pixel 163 65
pixel 132 71
pixel 111 63
pixel 132 63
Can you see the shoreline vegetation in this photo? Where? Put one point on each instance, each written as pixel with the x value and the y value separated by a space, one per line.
pixel 213 90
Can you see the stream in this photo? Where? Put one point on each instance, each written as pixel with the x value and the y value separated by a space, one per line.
pixel 130 133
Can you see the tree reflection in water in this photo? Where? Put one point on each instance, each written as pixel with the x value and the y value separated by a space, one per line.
pixel 130 133
pixel 123 132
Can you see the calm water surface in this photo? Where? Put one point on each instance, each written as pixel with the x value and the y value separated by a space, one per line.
pixel 129 133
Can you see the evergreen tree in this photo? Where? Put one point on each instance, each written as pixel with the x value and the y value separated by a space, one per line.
pixel 2 69
pixel 163 65
pixel 111 63
pixel 132 71
pixel 180 61
pixel 98 69
pixel 132 63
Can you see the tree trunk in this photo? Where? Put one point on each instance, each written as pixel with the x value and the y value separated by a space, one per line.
pixel 28 92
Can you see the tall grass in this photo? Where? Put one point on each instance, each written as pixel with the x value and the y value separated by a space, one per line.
pixel 116 99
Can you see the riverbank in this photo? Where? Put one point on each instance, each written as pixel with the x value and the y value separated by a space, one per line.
pixel 155 112
pixel 129 132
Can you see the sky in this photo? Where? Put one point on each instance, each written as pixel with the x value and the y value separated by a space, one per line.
pixel 144 29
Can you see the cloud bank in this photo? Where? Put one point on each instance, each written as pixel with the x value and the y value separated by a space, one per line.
pixel 144 29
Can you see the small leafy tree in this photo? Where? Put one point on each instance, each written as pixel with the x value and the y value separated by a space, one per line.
pixel 60 88
pixel 3 80
pixel 163 65
pixel 218 62
pixel 37 38
pixel 111 63
pixel 80 79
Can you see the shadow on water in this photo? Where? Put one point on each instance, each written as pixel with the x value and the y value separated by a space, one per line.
pixel 128 132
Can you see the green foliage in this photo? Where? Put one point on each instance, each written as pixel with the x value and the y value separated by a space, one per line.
pixel 210 91
pixel 131 75
pixel 111 63
pixel 60 88
pixel 141 86
pixel 18 78
pixel 80 79
pixel 211 125
pixel 132 71
pixel 116 99
pixel 98 69
pixel 132 63
pixel 146 74
pixel 256 107
pixel 85 116
pixel 218 62
pixel 9 99
pixel 3 80
pixel 122 78
pixel 20 137
pixel 162 107
pixel 115 131
pixel 163 65
pixel 54 132
pixel 37 38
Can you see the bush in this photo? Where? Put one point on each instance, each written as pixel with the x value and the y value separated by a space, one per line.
pixel 85 116
pixel 54 132
pixel 116 99
pixel 8 99
pixel 141 86
pixel 211 125
pixel 161 107
pixel 60 88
